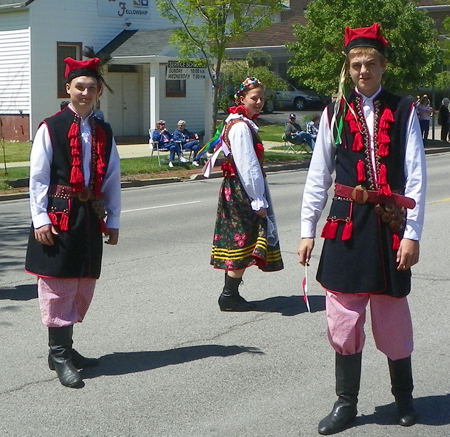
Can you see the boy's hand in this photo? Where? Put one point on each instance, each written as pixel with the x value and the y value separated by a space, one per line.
pixel 304 250
pixel 113 235
pixel 407 254
pixel 44 235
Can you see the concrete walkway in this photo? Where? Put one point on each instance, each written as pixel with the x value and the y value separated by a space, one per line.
pixel 134 151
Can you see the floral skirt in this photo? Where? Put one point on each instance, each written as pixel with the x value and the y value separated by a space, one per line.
pixel 241 237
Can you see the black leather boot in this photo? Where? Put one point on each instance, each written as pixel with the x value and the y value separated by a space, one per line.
pixel 78 360
pixel 60 343
pixel 402 388
pixel 348 377
pixel 230 299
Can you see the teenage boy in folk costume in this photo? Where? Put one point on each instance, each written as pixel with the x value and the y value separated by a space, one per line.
pixel 372 232
pixel 74 184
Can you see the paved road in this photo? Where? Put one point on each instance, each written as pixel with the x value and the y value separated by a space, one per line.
pixel 173 365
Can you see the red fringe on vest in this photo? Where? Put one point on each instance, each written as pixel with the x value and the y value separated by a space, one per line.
pixel 360 171
pixel 395 241
pixel 76 174
pixel 347 231
pixel 385 189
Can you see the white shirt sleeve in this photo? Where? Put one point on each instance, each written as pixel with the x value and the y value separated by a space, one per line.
pixel 319 179
pixel 416 178
pixel 40 160
pixel 247 164
pixel 111 189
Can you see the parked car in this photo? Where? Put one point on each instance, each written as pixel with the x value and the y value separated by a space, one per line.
pixel 298 99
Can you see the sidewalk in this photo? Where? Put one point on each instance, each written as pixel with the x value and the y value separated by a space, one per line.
pixel 133 151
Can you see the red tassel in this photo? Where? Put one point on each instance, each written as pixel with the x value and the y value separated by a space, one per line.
pixel 382 176
pixel 385 190
pixel 102 226
pixel 76 177
pixel 357 142
pixel 383 150
pixel 386 119
pixel 395 241
pixel 332 230
pixel 325 230
pixel 53 218
pixel 76 161
pixel 73 131
pixel 64 222
pixel 360 170
pixel 348 231
pixel 383 137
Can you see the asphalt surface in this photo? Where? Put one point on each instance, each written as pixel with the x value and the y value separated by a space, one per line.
pixel 173 365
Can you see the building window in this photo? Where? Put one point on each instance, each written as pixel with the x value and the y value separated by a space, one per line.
pixel 64 50
pixel 175 88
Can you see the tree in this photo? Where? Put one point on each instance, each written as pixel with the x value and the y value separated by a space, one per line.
pixel 257 64
pixel 443 78
pixel 207 26
pixel 413 50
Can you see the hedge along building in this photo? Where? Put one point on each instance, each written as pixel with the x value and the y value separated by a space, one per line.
pixel 36 36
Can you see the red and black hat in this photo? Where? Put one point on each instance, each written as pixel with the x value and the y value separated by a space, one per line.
pixel 365 37
pixel 76 68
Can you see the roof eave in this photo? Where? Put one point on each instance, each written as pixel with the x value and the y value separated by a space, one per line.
pixel 15 6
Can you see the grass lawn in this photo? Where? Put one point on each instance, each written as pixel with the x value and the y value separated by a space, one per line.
pixel 14 152
pixel 271 132
pixel 136 168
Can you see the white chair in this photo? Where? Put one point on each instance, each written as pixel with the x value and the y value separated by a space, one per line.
pixel 154 146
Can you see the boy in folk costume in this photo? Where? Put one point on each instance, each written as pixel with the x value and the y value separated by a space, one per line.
pixel 372 140
pixel 74 184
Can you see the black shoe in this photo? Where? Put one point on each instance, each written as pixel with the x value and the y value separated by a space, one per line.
pixel 341 416
pixel 67 374
pixel 348 376
pixel 230 299
pixel 402 388
pixel 60 358
pixel 407 414
pixel 234 303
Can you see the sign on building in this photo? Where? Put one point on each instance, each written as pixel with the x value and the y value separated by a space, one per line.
pixel 123 8
pixel 184 71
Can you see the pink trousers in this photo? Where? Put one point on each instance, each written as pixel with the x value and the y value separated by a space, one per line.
pixel 391 323
pixel 64 301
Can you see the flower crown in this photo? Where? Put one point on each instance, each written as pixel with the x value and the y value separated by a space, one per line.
pixel 247 82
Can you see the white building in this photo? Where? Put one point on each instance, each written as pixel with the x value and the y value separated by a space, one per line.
pixel 36 36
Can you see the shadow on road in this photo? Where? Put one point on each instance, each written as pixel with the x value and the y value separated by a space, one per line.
pixel 20 292
pixel 122 363
pixel 433 411
pixel 290 305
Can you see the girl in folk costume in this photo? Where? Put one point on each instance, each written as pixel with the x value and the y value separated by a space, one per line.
pixel 245 232
pixel 74 185
pixel 371 139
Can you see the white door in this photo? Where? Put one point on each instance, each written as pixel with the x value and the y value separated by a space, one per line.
pixel 124 103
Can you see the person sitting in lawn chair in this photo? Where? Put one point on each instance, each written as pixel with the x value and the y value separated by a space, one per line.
pixel 165 142
pixel 295 134
pixel 187 141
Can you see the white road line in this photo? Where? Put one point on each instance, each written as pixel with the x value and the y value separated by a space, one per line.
pixel 161 206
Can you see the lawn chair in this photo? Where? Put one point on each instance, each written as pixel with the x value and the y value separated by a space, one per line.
pixel 154 146
pixel 296 148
